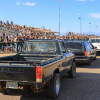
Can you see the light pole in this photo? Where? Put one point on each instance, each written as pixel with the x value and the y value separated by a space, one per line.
pixel 90 28
pixel 80 24
pixel 94 28
pixel 59 17
pixel 97 29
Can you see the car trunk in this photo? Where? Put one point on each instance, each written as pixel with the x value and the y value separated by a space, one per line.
pixel 78 52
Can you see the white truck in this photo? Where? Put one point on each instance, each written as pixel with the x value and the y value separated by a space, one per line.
pixel 96 43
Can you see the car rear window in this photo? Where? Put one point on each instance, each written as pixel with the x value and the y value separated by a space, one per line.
pixel 71 45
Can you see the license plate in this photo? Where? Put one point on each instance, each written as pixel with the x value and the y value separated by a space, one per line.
pixel 13 85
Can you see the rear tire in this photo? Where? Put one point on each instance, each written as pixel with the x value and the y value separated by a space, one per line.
pixel 94 58
pixel 72 72
pixel 89 61
pixel 53 90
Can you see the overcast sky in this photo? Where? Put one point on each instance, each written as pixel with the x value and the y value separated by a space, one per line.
pixel 37 13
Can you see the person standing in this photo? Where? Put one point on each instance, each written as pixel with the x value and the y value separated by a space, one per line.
pixel 7 22
pixel 5 45
pixel 12 44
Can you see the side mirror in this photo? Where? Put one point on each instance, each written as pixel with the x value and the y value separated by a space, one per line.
pixel 69 49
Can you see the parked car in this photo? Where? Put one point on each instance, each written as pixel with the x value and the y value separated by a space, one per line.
pixel 84 51
pixel 39 66
pixel 96 43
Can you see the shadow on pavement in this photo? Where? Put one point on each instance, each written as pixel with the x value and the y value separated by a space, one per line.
pixel 83 87
pixel 94 64
pixel 35 96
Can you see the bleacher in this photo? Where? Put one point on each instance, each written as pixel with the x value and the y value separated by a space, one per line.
pixel 8 30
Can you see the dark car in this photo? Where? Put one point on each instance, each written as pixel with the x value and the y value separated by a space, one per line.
pixel 84 51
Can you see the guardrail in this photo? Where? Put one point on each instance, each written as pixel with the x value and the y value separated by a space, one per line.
pixel 10 47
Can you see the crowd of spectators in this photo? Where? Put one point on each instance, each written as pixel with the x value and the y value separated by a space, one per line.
pixel 22 33
pixel 79 36
pixel 15 33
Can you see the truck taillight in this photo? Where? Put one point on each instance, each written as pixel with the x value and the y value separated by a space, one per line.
pixel 85 52
pixel 38 72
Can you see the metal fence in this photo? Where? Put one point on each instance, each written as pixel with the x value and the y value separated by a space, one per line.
pixel 10 47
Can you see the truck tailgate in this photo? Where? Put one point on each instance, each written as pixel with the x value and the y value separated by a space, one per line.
pixel 17 73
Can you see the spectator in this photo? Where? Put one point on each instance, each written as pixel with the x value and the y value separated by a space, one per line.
pixel 12 45
pixel 23 38
pixel 1 22
pixel 5 45
pixel 8 45
pixel 4 23
pixel 0 35
pixel 0 39
pixel 6 35
pixel 9 37
pixel 7 22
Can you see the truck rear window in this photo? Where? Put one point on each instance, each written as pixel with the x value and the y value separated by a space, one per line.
pixel 40 47
pixel 71 45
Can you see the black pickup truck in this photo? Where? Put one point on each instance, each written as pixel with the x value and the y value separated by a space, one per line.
pixel 37 67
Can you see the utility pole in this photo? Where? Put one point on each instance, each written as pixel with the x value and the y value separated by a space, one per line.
pixel 97 29
pixel 90 28
pixel 94 28
pixel 80 23
pixel 59 17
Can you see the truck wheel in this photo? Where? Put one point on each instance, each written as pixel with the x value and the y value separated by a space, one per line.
pixel 94 58
pixel 89 62
pixel 53 90
pixel 72 72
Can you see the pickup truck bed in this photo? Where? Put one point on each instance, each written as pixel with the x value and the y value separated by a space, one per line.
pixel 24 70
